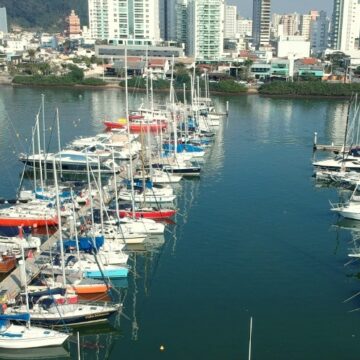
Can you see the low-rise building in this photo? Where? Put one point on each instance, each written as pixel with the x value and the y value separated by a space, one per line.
pixel 293 45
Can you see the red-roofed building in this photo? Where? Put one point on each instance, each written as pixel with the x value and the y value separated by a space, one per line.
pixel 158 67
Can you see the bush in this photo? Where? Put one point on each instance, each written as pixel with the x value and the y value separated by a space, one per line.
pixel 309 88
pixel 228 86
pixel 93 82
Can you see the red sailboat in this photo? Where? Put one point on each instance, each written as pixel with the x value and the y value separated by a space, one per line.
pixel 137 123
pixel 147 213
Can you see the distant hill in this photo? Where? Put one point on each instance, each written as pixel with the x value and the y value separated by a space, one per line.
pixel 43 14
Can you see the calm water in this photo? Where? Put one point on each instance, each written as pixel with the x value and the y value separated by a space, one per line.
pixel 253 237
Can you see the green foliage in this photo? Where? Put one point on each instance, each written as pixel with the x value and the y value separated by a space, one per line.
pixel 309 88
pixel 43 14
pixel 32 69
pixel 225 86
pixel 135 82
pixel 93 82
pixel 357 71
pixel 228 86
pixel 51 80
pixel 75 73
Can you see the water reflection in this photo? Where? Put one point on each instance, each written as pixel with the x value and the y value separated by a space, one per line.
pixel 55 352
pixel 95 342
pixel 335 124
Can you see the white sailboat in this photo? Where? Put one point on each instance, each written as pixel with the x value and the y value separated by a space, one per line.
pixel 13 336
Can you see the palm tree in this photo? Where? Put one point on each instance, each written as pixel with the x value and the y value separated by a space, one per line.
pixel 31 54
pixel 247 63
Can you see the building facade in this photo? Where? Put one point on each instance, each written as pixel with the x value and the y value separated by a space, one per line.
pixel 74 28
pixel 345 25
pixel 319 33
pixel 230 21
pixel 181 8
pixel 167 18
pixel 261 22
pixel 124 19
pixel 205 36
pixel 3 20
pixel 289 24
pixel 244 27
pixel 293 46
pixel 305 23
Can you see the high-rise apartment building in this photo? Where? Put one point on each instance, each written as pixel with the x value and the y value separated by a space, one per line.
pixel 261 22
pixel 290 24
pixel 345 25
pixel 124 19
pixel 319 33
pixel 230 21
pixel 205 37
pixel 244 27
pixel 181 8
pixel 3 20
pixel 305 22
pixel 167 9
pixel 73 22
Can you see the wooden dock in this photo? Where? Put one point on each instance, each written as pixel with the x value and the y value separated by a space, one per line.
pixel 332 148
pixel 11 285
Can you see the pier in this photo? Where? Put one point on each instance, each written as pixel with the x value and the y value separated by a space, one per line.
pixel 332 148
pixel 12 284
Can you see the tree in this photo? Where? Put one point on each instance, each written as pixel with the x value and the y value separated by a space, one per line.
pixel 31 54
pixel 76 73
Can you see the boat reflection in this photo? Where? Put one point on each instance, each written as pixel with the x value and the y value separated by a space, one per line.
pixel 55 352
pixel 94 342
pixel 348 224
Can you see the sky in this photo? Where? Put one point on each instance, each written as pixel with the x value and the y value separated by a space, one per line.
pixel 285 6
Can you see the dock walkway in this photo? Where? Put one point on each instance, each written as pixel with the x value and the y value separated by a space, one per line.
pixel 11 285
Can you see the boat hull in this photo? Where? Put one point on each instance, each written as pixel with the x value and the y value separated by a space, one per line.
pixel 114 125
pixel 20 337
pixel 33 222
pixel 155 214
pixel 112 274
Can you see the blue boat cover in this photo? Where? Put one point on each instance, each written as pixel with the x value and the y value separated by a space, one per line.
pixel 86 243
pixel 15 317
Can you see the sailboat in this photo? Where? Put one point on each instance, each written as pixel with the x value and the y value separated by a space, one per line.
pixel 13 336
pixel 51 310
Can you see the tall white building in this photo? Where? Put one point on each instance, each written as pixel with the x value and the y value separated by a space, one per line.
pixel 244 27
pixel 261 22
pixel 124 19
pixel 230 21
pixel 3 20
pixel 289 24
pixel 205 37
pixel 305 26
pixel 345 25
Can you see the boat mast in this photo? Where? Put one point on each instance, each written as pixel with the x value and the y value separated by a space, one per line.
pixel 39 148
pixel 33 151
pixel 58 139
pixel 250 338
pixel 44 132
pixel 346 130
pixel 59 223
pixel 25 281
pixel 128 134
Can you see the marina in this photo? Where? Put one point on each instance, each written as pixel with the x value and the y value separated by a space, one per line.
pixel 274 255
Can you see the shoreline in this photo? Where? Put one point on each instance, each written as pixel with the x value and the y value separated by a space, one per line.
pixel 251 91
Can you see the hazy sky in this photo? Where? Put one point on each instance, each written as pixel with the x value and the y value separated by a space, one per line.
pixel 285 6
